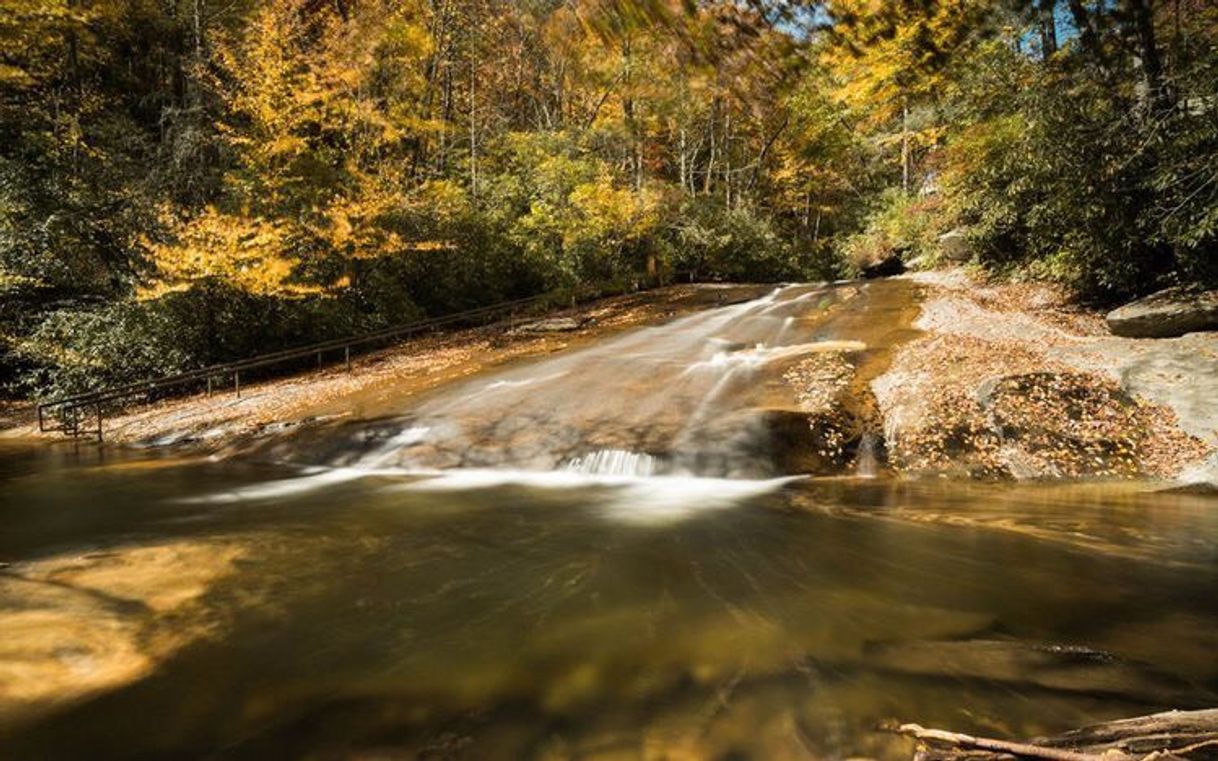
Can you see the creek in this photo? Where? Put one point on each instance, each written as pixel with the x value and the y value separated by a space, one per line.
pixel 601 554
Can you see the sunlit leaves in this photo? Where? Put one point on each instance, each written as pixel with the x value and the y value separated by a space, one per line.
pixel 237 250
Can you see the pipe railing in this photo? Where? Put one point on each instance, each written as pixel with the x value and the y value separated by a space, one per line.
pixel 70 414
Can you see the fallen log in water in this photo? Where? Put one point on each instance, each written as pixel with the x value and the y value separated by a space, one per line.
pixel 1188 735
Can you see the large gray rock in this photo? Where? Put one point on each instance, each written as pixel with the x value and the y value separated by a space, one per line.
pixel 955 246
pixel 1172 312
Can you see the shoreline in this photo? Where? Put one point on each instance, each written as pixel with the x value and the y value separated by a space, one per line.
pixel 963 377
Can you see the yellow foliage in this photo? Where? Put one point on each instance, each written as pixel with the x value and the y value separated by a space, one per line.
pixel 248 253
pixel 887 53
pixel 311 86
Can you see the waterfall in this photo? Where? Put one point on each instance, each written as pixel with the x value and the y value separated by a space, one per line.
pixel 614 462
pixel 679 406
pixel 866 464
pixel 683 390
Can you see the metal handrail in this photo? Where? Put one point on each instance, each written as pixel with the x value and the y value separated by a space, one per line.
pixel 63 415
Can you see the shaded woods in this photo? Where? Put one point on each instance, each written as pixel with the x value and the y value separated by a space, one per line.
pixel 188 181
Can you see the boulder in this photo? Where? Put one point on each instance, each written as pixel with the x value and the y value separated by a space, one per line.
pixel 1172 312
pixel 955 246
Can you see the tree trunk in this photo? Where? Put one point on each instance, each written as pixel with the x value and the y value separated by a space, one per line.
pixel 681 149
pixel 1047 21
pixel 727 160
pixel 1142 16
pixel 906 172
pixel 473 131
pixel 1088 29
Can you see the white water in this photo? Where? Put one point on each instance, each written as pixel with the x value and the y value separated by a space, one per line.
pixel 614 462
pixel 625 498
pixel 866 464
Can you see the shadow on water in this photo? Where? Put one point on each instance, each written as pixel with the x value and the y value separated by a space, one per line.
pixel 590 601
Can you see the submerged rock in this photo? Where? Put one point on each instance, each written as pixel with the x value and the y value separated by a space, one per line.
pixel 1172 312
pixel 1064 668
pixel 76 626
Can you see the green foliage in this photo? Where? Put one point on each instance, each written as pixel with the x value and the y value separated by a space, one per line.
pixel 735 245
pixel 72 350
pixel 1184 179
pixel 1061 177
pixel 899 224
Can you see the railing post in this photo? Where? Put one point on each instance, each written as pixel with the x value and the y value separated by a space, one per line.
pixel 99 423
pixel 209 385
pixel 237 382
pixel 347 357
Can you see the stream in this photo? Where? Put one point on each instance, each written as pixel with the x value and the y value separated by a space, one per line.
pixel 600 554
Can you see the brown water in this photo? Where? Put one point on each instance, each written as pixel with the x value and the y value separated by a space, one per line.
pixel 580 604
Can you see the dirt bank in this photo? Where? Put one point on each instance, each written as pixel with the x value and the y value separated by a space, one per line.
pixel 381 383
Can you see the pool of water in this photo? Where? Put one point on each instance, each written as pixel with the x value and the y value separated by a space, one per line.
pixel 145 615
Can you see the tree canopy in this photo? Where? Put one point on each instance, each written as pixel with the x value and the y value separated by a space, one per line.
pixel 218 178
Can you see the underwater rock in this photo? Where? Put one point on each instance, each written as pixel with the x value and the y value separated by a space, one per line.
pixel 75 626
pixel 1066 668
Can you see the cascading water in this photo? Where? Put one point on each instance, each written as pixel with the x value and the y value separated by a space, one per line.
pixel 670 400
pixel 669 405
pixel 866 463
pixel 614 462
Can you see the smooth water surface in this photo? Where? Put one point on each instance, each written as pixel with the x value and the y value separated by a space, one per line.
pixel 528 622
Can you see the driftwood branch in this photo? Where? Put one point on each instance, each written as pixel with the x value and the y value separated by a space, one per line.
pixel 1180 735
pixel 1024 750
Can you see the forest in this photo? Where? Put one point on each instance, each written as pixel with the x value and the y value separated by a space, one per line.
pixel 184 182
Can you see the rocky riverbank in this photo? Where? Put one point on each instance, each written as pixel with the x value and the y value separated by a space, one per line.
pixel 928 374
pixel 1010 380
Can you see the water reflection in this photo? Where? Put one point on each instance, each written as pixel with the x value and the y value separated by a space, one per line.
pixel 508 620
